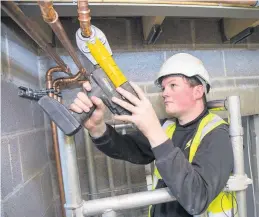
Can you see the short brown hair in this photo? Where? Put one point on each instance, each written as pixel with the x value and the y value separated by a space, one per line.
pixel 194 81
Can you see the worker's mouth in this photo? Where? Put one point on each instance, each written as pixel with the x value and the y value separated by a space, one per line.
pixel 167 102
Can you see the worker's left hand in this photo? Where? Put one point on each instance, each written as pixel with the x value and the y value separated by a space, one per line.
pixel 143 115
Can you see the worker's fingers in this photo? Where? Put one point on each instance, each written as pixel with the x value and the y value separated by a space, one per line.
pixel 84 98
pixel 129 96
pixel 98 102
pixel 73 107
pixel 87 86
pixel 81 105
pixel 138 90
pixel 124 104
pixel 126 118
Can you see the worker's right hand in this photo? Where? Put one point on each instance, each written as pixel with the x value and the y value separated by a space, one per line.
pixel 95 124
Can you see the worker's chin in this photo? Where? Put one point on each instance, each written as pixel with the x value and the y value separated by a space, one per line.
pixel 171 111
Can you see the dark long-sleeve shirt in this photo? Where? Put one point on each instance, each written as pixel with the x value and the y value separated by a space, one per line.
pixel 194 184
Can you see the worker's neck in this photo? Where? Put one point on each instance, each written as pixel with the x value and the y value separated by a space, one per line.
pixel 191 115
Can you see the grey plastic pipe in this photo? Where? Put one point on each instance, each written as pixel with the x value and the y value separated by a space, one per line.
pixel 70 174
pixel 127 201
pixel 90 165
pixel 236 135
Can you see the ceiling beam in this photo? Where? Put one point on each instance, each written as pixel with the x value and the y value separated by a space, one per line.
pixel 123 9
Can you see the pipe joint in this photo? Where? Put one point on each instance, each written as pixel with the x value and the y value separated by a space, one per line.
pixel 238 131
pixel 74 206
pixel 48 12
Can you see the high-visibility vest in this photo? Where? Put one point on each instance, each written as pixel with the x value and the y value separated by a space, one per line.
pixel 222 204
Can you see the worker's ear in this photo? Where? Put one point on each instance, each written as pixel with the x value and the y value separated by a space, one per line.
pixel 198 92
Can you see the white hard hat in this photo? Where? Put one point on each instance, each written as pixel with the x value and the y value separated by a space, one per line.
pixel 185 64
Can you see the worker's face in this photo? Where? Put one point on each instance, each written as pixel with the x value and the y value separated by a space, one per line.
pixel 179 96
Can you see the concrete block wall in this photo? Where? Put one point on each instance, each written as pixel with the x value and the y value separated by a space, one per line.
pixel 254 171
pixel 233 69
pixel 26 188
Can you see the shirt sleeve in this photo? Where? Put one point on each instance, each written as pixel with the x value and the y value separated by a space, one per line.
pixel 196 184
pixel 133 147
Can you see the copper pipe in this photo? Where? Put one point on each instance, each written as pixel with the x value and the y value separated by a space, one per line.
pixel 84 17
pixel 12 10
pixel 58 166
pixel 50 16
pixel 60 81
pixel 49 85
pixel 49 76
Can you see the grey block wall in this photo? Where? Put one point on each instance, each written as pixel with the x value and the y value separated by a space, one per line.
pixel 26 188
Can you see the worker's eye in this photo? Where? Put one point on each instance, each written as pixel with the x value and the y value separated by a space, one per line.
pixel 172 85
pixel 162 89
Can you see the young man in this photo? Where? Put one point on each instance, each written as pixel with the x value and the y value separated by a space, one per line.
pixel 192 152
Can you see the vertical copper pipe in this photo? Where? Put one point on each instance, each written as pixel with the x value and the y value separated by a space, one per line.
pixel 12 10
pixel 84 17
pixel 50 16
pixel 49 85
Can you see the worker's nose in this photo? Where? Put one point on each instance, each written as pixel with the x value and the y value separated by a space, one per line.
pixel 165 92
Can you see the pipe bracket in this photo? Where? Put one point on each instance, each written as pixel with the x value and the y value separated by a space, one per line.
pixel 237 183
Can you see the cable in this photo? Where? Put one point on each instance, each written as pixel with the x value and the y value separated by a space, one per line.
pixel 233 197
pixel 249 161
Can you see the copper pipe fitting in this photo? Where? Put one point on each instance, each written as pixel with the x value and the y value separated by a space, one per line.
pixel 60 81
pixel 49 76
pixel 47 10
pixel 84 17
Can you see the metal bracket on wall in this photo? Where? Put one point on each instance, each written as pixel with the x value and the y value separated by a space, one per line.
pixel 154 34
pixel 236 30
pixel 29 93
pixel 242 35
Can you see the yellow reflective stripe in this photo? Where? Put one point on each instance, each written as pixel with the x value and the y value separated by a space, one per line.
pixel 157 174
pixel 196 140
pixel 207 124
pixel 222 202
pixel 170 130
pixel 218 109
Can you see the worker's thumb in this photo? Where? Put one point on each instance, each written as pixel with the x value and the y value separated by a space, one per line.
pixel 98 102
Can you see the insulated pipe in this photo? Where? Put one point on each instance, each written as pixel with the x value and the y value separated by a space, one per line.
pixel 50 16
pixel 12 10
pixel 128 201
pixel 236 135
pixel 90 165
pixel 84 17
